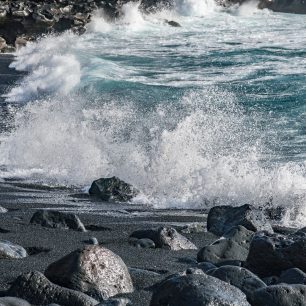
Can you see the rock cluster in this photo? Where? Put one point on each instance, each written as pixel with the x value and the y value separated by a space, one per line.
pixel 29 19
pixel 247 265
pixel 233 246
pixel 163 237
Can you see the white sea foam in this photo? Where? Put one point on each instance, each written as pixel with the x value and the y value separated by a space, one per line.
pixel 51 69
pixel 95 108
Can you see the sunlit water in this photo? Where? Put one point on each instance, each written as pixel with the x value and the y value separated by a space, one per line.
pixel 211 112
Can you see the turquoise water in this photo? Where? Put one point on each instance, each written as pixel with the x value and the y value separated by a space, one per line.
pixel 211 112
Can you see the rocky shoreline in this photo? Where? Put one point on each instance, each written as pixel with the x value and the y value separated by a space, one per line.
pixel 22 21
pixel 62 247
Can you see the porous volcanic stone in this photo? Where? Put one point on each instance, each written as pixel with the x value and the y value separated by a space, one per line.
pixel 280 295
pixel 93 270
pixel 113 190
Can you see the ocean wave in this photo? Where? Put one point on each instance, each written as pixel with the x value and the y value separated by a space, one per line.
pixel 192 116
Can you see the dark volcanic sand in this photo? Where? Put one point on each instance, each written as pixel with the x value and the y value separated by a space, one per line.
pixel 116 223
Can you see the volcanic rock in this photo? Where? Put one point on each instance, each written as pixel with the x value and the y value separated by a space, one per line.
pixel 234 246
pixel 113 190
pixel 292 276
pixel 56 219
pixel 239 277
pixel 197 290
pixel 93 270
pixel 270 254
pixel 165 237
pixel 38 290
pixel 12 301
pixel 280 295
pixel 221 219
pixel 9 250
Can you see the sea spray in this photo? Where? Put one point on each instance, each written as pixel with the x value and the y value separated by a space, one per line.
pixel 192 116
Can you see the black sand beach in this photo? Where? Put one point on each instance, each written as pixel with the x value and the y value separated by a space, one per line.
pixel 112 224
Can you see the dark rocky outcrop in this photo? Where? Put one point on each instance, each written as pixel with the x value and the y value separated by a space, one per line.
pixel 113 190
pixel 197 290
pixel 234 246
pixel 270 254
pixel 38 290
pixel 57 219
pixel 93 270
pixel 239 277
pixel 9 250
pixel 165 237
pixel 222 218
pixel 33 18
pixel 280 295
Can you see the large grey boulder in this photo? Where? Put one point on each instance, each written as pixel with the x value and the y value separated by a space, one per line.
pixel 93 270
pixel 221 219
pixel 239 277
pixel 166 238
pixel 270 254
pixel 38 290
pixel 13 301
pixel 11 250
pixel 113 190
pixel 57 219
pixel 233 246
pixel 280 295
pixel 197 290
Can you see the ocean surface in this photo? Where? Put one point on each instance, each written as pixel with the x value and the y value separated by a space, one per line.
pixel 212 112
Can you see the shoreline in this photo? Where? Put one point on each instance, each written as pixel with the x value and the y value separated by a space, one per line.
pixel 111 229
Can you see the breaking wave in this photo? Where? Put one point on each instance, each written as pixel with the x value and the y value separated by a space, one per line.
pixel 178 112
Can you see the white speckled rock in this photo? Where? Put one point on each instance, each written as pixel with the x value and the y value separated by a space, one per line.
pixel 3 210
pixel 10 250
pixel 93 270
